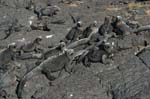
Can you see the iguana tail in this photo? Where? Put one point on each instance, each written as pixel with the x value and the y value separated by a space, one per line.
pixel 142 28
pixel 77 43
pixel 22 82
pixel 30 74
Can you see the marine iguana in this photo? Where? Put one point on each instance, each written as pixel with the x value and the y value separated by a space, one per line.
pixel 43 10
pixel 50 11
pixel 29 49
pixel 106 27
pixel 88 30
pixel 29 46
pixel 51 52
pixel 74 33
pixel 37 24
pixel 120 27
pixel 7 55
pixel 96 54
pixel 52 64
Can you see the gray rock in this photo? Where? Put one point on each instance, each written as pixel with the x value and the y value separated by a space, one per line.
pixel 81 85
pixel 145 57
pixel 126 81
pixel 8 25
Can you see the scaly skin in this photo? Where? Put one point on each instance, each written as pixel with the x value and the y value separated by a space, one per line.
pixel 52 64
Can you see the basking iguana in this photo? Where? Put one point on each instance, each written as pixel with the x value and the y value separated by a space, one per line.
pixel 48 66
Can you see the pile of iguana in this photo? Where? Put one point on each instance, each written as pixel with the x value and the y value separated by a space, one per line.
pixel 97 48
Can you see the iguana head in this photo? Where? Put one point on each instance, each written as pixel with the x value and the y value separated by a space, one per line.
pixel 94 24
pixel 56 9
pixel 38 39
pixel 69 52
pixel 62 45
pixel 107 20
pixel 12 46
pixel 116 19
pixel 109 47
pixel 79 24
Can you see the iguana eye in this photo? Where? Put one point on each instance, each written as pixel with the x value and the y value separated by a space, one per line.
pixel 14 46
pixel 106 47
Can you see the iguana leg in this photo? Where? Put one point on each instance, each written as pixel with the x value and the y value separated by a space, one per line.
pixel 86 62
pixel 106 60
pixel 83 55
pixel 77 59
pixel 20 52
pixel 49 76
pixel 39 15
pixel 67 69
pixel 6 36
